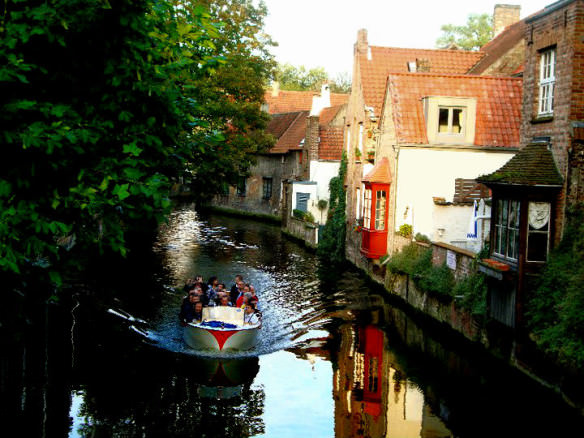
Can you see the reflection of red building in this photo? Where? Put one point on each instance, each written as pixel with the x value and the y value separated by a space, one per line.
pixel 373 384
pixel 375 210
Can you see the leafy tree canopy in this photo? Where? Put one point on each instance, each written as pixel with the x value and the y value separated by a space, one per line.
pixel 476 33
pixel 105 103
pixel 300 78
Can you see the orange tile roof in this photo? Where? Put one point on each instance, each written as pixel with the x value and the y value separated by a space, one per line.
pixel 328 114
pixel 290 101
pixel 331 143
pixel 498 112
pixel 380 173
pixel 385 60
pixel 291 128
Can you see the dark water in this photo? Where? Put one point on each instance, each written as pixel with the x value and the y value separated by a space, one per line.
pixel 336 358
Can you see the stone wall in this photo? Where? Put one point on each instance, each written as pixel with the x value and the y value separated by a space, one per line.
pixel 305 231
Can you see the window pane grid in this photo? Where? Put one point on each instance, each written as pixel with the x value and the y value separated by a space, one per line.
pixel 547 79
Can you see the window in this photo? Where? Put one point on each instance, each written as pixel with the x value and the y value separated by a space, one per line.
pixel 380 201
pixel 241 186
pixel 450 120
pixel 224 189
pixel 361 138
pixel 348 140
pixel 267 188
pixel 547 81
pixel 358 203
pixel 302 201
pixel 538 231
pixel 507 229
pixel 367 208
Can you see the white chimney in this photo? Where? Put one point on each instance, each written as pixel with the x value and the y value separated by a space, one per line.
pixel 321 101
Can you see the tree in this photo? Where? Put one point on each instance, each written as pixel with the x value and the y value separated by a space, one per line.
pixel 229 101
pixel 103 106
pixel 300 78
pixel 476 33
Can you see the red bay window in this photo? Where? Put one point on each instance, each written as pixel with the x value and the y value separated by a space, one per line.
pixel 375 210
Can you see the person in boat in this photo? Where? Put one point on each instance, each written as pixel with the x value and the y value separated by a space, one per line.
pixel 250 316
pixel 243 300
pixel 198 312
pixel 212 290
pixel 187 309
pixel 253 292
pixel 235 289
pixel 189 285
pixel 225 301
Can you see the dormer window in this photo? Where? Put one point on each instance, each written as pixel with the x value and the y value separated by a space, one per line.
pixel 450 120
pixel 547 82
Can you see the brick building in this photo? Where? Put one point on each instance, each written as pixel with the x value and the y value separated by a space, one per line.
pixel 303 123
pixel 532 192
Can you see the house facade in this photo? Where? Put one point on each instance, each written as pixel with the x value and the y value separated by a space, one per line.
pixel 420 119
pixel 533 191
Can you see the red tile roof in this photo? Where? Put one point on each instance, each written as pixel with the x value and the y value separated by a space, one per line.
pixel 328 114
pixel 331 143
pixel 289 129
pixel 498 111
pixel 290 101
pixel 380 173
pixel 385 60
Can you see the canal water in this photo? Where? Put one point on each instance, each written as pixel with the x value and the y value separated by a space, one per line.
pixel 336 358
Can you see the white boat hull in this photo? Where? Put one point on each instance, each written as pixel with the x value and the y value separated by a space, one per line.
pixel 235 336
pixel 219 339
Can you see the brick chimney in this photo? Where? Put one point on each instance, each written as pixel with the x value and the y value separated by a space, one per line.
pixel 505 15
pixel 361 46
pixel 311 144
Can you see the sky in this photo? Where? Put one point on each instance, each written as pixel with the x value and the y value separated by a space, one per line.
pixel 321 33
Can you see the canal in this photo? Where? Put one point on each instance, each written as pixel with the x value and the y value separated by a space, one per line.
pixel 337 358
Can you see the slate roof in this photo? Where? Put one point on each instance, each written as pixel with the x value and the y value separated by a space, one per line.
pixel 498 110
pixel 385 60
pixel 289 129
pixel 291 101
pixel 331 143
pixel 533 165
pixel 380 173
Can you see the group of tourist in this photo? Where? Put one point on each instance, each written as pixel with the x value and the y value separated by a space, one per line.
pixel 213 293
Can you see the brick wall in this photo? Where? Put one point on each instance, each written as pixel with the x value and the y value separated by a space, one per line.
pixel 462 258
pixel 562 28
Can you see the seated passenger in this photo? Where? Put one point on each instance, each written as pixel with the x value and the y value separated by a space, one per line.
pixel 250 316
pixel 187 309
pixel 243 300
pixel 198 312
pixel 225 301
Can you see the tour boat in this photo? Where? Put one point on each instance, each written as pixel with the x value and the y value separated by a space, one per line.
pixel 221 328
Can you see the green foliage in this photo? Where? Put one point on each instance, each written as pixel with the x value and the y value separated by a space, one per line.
pixel 472 291
pixel 300 78
pixel 322 204
pixel 104 104
pixel 416 261
pixel 298 214
pixel 556 309
pixel 422 238
pixel 331 247
pixel 406 230
pixel 476 33
pixel 309 217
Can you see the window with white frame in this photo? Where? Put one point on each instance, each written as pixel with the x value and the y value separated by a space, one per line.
pixel 358 203
pixel 367 208
pixel 361 138
pixel 507 229
pixel 547 81
pixel 380 201
pixel 451 120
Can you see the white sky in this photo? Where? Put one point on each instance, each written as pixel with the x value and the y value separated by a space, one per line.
pixel 317 33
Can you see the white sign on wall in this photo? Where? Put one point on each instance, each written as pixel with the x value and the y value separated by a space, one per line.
pixel 451 259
